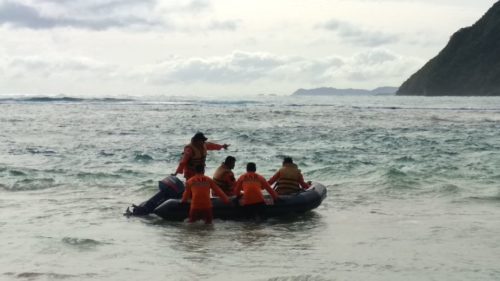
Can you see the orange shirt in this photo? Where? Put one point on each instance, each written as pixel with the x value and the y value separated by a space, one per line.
pixel 198 189
pixel 252 184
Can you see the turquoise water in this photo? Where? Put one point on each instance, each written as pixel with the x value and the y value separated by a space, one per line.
pixel 413 189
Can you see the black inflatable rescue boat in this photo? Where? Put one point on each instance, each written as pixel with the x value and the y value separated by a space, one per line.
pixel 167 203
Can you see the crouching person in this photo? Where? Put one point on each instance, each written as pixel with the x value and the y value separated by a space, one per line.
pixel 198 190
pixel 252 184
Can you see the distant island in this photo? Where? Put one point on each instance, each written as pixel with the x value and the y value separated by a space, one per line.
pixel 468 66
pixel 326 91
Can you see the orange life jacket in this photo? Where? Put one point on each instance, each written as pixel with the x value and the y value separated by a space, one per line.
pixel 288 181
pixel 199 156
pixel 219 178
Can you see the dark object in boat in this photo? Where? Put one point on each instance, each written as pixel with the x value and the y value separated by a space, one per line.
pixel 169 188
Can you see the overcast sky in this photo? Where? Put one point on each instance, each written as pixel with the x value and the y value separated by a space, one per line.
pixel 219 47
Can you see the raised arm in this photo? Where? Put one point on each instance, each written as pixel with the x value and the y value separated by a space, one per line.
pixel 214 146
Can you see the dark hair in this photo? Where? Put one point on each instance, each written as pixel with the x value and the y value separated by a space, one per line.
pixel 229 159
pixel 199 136
pixel 199 169
pixel 251 167
pixel 288 160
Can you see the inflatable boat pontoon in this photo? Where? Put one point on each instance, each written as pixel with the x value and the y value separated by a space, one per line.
pixel 167 203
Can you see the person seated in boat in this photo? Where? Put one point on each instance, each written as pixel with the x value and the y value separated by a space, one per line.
pixel 252 184
pixel 289 178
pixel 196 153
pixel 198 190
pixel 224 176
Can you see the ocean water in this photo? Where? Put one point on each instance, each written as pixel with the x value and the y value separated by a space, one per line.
pixel 413 188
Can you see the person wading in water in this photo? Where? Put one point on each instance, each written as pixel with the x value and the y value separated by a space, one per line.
pixel 198 190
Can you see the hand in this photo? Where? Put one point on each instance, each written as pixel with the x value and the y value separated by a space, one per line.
pixel 225 146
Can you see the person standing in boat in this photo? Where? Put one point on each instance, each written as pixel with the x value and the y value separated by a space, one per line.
pixel 198 189
pixel 289 178
pixel 252 184
pixel 196 153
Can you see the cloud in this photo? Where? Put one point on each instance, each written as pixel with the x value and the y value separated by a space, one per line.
pixel 376 65
pixel 229 25
pixel 246 67
pixel 238 70
pixel 47 14
pixel 375 57
pixel 237 67
pixel 196 6
pixel 108 14
pixel 21 15
pixel 28 67
pixel 357 35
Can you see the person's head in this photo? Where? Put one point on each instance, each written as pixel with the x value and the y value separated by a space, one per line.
pixel 287 160
pixel 251 167
pixel 198 138
pixel 199 169
pixel 229 162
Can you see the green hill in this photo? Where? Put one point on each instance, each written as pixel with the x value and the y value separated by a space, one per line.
pixel 468 66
